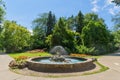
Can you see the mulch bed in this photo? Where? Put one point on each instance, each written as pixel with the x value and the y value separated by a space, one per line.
pixel 37 50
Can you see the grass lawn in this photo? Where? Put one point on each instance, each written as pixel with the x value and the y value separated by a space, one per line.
pixel 15 55
pixel 36 54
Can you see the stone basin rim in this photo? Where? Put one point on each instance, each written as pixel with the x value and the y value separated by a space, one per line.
pixel 86 60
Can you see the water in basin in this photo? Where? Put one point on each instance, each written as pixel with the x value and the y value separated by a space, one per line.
pixel 68 61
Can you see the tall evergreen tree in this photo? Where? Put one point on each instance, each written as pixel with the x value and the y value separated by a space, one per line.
pixel 42 27
pixel 79 26
pixel 50 23
pixel 61 36
pixel 71 23
pixel 79 22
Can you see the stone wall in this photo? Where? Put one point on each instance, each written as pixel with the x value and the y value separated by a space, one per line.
pixel 77 67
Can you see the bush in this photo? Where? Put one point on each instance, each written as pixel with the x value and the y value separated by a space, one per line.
pixel 19 62
pixel 84 50
pixel 78 55
pixel 20 58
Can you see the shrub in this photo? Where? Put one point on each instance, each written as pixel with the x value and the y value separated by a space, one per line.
pixel 21 58
pixel 78 55
pixel 19 62
pixel 84 50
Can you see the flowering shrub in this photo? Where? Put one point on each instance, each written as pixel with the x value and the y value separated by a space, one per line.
pixel 19 62
pixel 37 50
pixel 78 55
pixel 21 58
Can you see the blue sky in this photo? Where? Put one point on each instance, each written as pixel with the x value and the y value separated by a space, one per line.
pixel 25 11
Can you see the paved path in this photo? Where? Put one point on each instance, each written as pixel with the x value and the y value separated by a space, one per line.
pixel 112 61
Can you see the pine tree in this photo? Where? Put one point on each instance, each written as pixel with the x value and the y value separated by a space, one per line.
pixel 79 22
pixel 50 23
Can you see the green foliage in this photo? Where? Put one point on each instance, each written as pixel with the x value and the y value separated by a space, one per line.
pixel 79 22
pixel 116 32
pixel 71 22
pixel 95 34
pixel 117 38
pixel 2 12
pixel 92 17
pixel 82 33
pixel 27 54
pixel 38 38
pixel 79 26
pixel 116 20
pixel 42 28
pixel 84 50
pixel 51 20
pixel 117 2
pixel 61 36
pixel 16 37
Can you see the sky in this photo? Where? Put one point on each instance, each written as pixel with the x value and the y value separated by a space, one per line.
pixel 25 11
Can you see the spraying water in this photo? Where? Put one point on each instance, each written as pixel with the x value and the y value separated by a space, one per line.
pixel 58 52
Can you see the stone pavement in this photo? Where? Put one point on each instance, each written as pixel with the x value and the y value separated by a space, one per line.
pixel 112 61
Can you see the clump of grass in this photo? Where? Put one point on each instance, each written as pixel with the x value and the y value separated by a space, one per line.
pixel 17 55
pixel 102 69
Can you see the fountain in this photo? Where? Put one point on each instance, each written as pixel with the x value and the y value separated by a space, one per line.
pixel 59 62
pixel 58 52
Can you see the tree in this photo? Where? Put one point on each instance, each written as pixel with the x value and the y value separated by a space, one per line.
pixel 16 37
pixel 39 31
pixel 117 2
pixel 92 17
pixel 95 34
pixel 2 13
pixel 116 31
pixel 117 38
pixel 71 23
pixel 79 22
pixel 51 20
pixel 116 20
pixel 42 27
pixel 61 36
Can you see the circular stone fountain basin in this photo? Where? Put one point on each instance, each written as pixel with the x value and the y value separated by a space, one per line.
pixel 72 64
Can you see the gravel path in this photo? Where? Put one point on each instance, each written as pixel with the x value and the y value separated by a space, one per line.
pixel 112 61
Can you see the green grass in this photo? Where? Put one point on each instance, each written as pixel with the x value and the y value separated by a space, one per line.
pixel 15 55
pixel 102 69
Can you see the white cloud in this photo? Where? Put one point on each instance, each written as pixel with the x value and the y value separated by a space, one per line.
pixel 107 3
pixel 110 7
pixel 94 1
pixel 111 11
pixel 95 6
